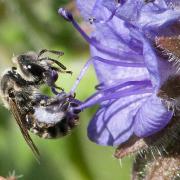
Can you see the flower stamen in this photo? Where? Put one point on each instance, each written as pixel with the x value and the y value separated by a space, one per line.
pixel 106 61
pixel 109 94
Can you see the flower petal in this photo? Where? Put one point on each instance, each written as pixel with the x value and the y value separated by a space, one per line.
pixel 113 122
pixel 151 117
pixel 125 48
pixel 149 15
pixel 86 8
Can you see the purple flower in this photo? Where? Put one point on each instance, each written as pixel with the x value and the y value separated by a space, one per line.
pixel 133 65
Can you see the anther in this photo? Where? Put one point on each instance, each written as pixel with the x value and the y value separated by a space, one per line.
pixel 65 14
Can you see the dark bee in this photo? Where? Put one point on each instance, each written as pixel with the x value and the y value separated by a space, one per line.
pixel 48 117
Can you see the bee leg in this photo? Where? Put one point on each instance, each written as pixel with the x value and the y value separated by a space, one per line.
pixel 72 95
pixel 53 89
pixel 61 71
pixel 68 72
pixel 54 61
pixel 60 88
pixel 52 78
pixel 51 101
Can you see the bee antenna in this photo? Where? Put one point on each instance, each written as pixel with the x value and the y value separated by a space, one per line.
pixel 14 68
pixel 59 53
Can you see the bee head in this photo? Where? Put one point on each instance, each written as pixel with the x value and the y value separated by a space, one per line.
pixel 38 68
pixel 29 67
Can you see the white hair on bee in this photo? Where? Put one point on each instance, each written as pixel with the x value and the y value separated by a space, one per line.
pixel 4 101
pixel 46 116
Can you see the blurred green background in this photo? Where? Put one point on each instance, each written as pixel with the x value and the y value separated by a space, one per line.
pixel 33 25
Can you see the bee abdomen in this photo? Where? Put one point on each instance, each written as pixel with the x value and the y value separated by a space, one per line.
pixel 57 130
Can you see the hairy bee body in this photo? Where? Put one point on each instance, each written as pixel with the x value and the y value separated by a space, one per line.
pixel 47 117
pixel 53 120
pixel 12 85
pixel 48 126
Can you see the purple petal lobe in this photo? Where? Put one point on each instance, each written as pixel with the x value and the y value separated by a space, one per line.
pixel 113 122
pixel 151 117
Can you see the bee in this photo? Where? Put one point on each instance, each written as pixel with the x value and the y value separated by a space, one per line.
pixel 47 117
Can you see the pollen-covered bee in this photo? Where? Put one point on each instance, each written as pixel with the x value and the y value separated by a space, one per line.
pixel 48 117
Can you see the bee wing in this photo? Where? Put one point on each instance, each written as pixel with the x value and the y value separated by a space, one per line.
pixel 18 117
